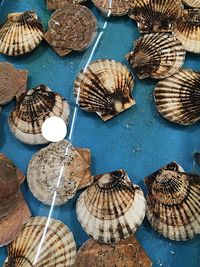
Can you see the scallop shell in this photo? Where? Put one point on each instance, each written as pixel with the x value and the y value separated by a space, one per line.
pixel 112 208
pixel 104 87
pixel 56 4
pixel 55 172
pixel 32 109
pixel 42 242
pixel 114 7
pixel 155 15
pixel 177 97
pixel 71 28
pixel 157 55
pixel 173 203
pixel 187 30
pixel 192 3
pixel 20 34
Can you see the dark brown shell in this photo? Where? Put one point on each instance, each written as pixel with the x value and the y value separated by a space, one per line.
pixel 56 4
pixel 114 7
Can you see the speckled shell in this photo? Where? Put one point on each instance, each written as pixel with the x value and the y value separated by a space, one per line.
pixel 20 34
pixel 155 15
pixel 157 55
pixel 192 3
pixel 114 7
pixel 55 172
pixel 112 208
pixel 42 242
pixel 104 87
pixel 173 203
pixel 32 109
pixel 177 97
pixel 187 30
pixel 56 4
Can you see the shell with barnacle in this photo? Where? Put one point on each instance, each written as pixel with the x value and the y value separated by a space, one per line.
pixel 32 109
pixel 177 97
pixel 173 203
pixel 192 3
pixel 114 7
pixel 56 4
pixel 20 34
pixel 157 55
pixel 42 242
pixel 112 208
pixel 104 87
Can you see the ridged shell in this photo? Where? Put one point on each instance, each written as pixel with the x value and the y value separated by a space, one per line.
pixel 42 242
pixel 32 109
pixel 173 203
pixel 112 208
pixel 104 87
pixel 157 55
pixel 155 15
pixel 114 7
pixel 178 97
pixel 20 34
pixel 55 172
pixel 187 30
pixel 192 3
pixel 56 4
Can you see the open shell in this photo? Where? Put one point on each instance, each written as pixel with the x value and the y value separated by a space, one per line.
pixel 112 208
pixel 192 3
pixel 42 242
pixel 32 109
pixel 157 55
pixel 56 4
pixel 178 97
pixel 173 203
pixel 20 34
pixel 114 7
pixel 104 87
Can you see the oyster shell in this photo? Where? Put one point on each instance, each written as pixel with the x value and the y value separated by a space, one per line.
pixel 114 7
pixel 104 87
pixel 71 28
pixel 112 208
pixel 187 30
pixel 157 55
pixel 20 34
pixel 173 203
pixel 42 242
pixel 192 3
pixel 56 4
pixel 177 97
pixel 155 15
pixel 32 109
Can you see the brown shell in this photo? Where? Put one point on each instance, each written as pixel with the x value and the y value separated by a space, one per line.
pixel 56 4
pixel 114 7
pixel 192 3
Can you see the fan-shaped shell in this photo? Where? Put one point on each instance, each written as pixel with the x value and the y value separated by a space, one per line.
pixel 104 87
pixel 173 203
pixel 178 97
pixel 114 7
pixel 157 55
pixel 155 15
pixel 42 242
pixel 32 109
pixel 192 3
pixel 112 208
pixel 56 4
pixel 20 34
pixel 55 172
pixel 187 30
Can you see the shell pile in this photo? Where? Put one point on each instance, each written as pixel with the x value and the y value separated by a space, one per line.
pixel 56 4
pixel 20 34
pixel 114 7
pixel 192 3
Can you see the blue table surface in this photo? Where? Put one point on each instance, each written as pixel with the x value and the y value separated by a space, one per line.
pixel 138 140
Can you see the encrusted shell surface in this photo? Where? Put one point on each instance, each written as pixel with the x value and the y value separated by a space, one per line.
pixel 71 28
pixel 192 3
pixel 155 15
pixel 178 97
pixel 173 203
pixel 157 55
pixel 114 7
pixel 56 4
pixel 104 87
pixel 55 172
pixel 187 30
pixel 20 34
pixel 42 242
pixel 112 208
pixel 32 109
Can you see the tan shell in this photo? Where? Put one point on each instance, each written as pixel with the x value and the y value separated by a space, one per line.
pixel 192 3
pixel 104 87
pixel 42 242
pixel 20 34
pixel 114 7
pixel 56 4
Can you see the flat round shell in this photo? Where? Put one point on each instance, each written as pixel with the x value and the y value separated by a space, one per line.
pixel 56 4
pixel 115 7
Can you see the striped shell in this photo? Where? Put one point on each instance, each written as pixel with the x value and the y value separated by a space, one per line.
pixel 20 34
pixel 56 4
pixel 187 30
pixel 157 55
pixel 114 7
pixel 155 15
pixel 173 203
pixel 104 87
pixel 192 3
pixel 178 97
pixel 42 242
pixel 32 109
pixel 112 208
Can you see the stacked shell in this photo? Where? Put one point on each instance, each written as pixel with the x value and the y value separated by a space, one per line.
pixel 112 208
pixel 56 4
pixel 114 7
pixel 192 3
